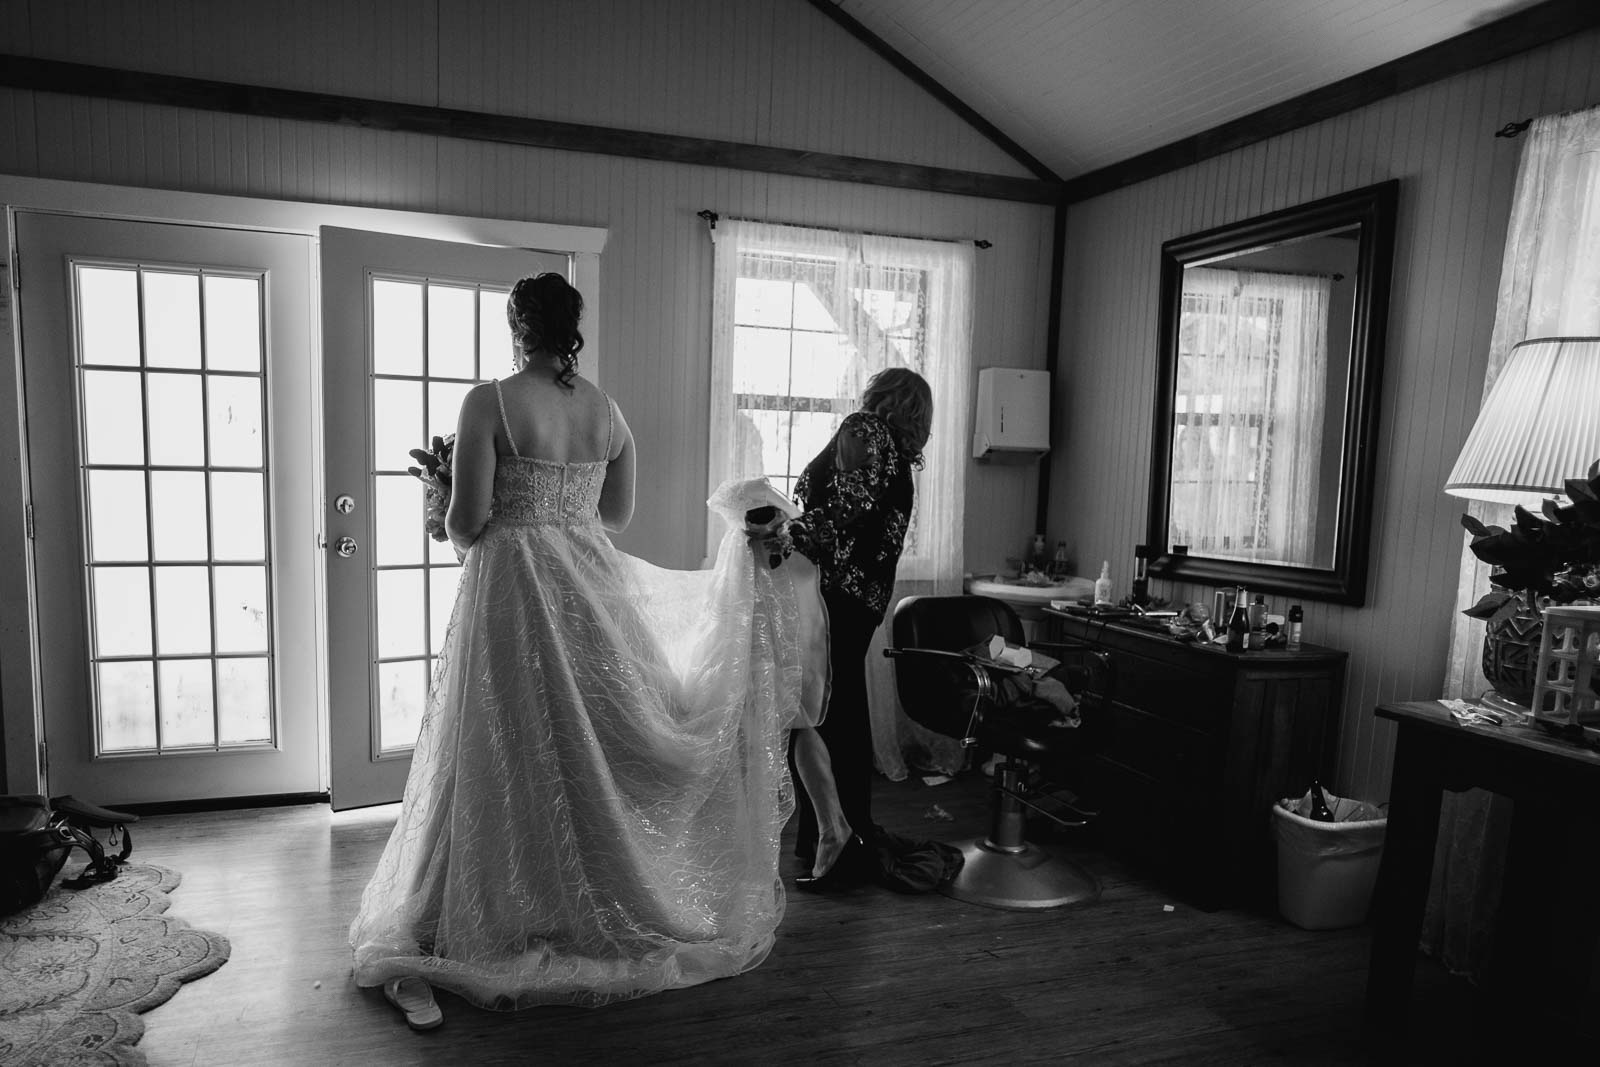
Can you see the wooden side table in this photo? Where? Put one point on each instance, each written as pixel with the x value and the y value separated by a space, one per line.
pixel 1539 971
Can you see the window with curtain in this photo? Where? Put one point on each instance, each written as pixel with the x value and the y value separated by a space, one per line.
pixel 796 369
pixel 1247 444
pixel 1549 287
pixel 801 319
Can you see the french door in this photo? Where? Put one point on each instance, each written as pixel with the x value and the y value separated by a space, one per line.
pixel 409 325
pixel 169 411
pixel 213 619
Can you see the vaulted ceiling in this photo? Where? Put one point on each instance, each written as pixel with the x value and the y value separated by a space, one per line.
pixel 1083 84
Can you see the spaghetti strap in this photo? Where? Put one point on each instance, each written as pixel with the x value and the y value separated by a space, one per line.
pixel 611 424
pixel 504 425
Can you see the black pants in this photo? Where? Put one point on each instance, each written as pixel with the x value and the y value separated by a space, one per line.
pixel 847 728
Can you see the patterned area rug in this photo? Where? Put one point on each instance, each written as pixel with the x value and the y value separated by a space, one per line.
pixel 78 968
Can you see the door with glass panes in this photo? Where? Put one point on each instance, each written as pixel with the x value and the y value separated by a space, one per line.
pixel 409 326
pixel 169 384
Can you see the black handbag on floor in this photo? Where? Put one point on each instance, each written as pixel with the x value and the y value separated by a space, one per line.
pixel 37 835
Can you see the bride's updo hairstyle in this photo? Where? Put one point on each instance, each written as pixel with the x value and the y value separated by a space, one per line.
pixel 543 311
pixel 901 397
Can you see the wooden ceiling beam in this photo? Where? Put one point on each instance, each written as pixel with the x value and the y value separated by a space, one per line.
pixel 54 76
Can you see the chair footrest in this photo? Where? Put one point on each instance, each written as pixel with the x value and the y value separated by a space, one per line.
pixel 1071 818
pixel 1074 804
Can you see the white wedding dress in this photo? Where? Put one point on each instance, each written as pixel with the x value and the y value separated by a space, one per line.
pixel 599 784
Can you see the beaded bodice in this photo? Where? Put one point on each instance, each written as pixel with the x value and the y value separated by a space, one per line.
pixel 530 492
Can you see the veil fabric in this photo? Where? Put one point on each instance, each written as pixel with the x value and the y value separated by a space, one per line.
pixel 595 800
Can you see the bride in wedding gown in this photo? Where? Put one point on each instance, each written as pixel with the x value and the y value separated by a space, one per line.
pixel 599 784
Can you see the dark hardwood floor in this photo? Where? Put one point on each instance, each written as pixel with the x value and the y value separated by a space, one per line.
pixel 868 977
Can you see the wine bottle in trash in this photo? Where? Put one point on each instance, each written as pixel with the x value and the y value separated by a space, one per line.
pixel 1320 812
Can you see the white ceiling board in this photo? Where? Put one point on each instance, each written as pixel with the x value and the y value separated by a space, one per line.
pixel 1082 84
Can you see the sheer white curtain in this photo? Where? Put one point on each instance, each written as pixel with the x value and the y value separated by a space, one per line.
pixel 1549 286
pixel 856 303
pixel 1252 378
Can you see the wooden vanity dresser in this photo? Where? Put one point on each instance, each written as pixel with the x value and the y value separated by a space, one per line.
pixel 1197 746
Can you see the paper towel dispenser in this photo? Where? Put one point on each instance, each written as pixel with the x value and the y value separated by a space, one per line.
pixel 1013 419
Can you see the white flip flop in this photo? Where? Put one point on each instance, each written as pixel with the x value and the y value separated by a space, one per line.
pixel 415 999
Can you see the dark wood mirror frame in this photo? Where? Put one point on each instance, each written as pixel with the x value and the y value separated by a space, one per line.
pixel 1372 209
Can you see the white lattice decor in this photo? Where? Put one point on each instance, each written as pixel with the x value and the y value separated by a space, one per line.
pixel 1569 666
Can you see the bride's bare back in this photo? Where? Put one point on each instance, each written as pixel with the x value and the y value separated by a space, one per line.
pixel 546 420
pixel 555 422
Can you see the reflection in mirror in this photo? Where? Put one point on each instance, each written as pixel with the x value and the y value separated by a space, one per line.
pixel 1271 332
pixel 1262 339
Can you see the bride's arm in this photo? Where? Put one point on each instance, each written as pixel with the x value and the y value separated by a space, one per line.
pixel 616 497
pixel 472 481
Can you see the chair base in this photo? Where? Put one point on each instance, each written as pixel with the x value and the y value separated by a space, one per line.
pixel 1030 880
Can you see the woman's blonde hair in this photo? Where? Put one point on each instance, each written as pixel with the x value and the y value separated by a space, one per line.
pixel 901 397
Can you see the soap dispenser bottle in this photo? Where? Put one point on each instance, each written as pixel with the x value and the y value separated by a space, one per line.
pixel 1102 584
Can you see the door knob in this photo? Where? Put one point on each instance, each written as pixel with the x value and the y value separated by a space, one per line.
pixel 345 546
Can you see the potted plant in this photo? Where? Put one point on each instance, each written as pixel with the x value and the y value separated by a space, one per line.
pixel 1549 558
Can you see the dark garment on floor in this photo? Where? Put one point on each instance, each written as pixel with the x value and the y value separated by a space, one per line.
pixel 911 866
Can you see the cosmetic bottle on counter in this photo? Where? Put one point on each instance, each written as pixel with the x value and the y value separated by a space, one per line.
pixel 1141 575
pixel 1239 623
pixel 1258 614
pixel 1292 624
pixel 1102 584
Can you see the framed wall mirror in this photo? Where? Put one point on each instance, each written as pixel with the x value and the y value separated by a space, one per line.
pixel 1266 405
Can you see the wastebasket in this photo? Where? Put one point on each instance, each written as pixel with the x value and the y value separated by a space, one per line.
pixel 1326 870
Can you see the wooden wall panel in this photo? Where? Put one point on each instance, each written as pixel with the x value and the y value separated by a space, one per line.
pixel 768 72
pixel 385 50
pixel 655 271
pixel 1455 199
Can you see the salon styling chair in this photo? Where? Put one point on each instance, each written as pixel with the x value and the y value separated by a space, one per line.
pixel 952 692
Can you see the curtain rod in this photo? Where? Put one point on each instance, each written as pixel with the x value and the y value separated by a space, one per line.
pixel 712 218
pixel 1512 129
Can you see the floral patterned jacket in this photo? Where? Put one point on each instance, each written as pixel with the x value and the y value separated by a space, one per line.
pixel 857 496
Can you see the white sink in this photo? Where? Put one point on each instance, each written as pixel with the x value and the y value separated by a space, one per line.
pixel 1028 600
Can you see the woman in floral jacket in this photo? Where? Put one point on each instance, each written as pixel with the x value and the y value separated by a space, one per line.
pixel 857 495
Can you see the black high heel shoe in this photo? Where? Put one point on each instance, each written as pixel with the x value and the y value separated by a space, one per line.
pixel 853 867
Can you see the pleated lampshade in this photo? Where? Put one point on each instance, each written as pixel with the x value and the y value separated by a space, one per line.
pixel 1539 426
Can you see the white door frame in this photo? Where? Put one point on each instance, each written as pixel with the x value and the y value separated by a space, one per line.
pixel 19 681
